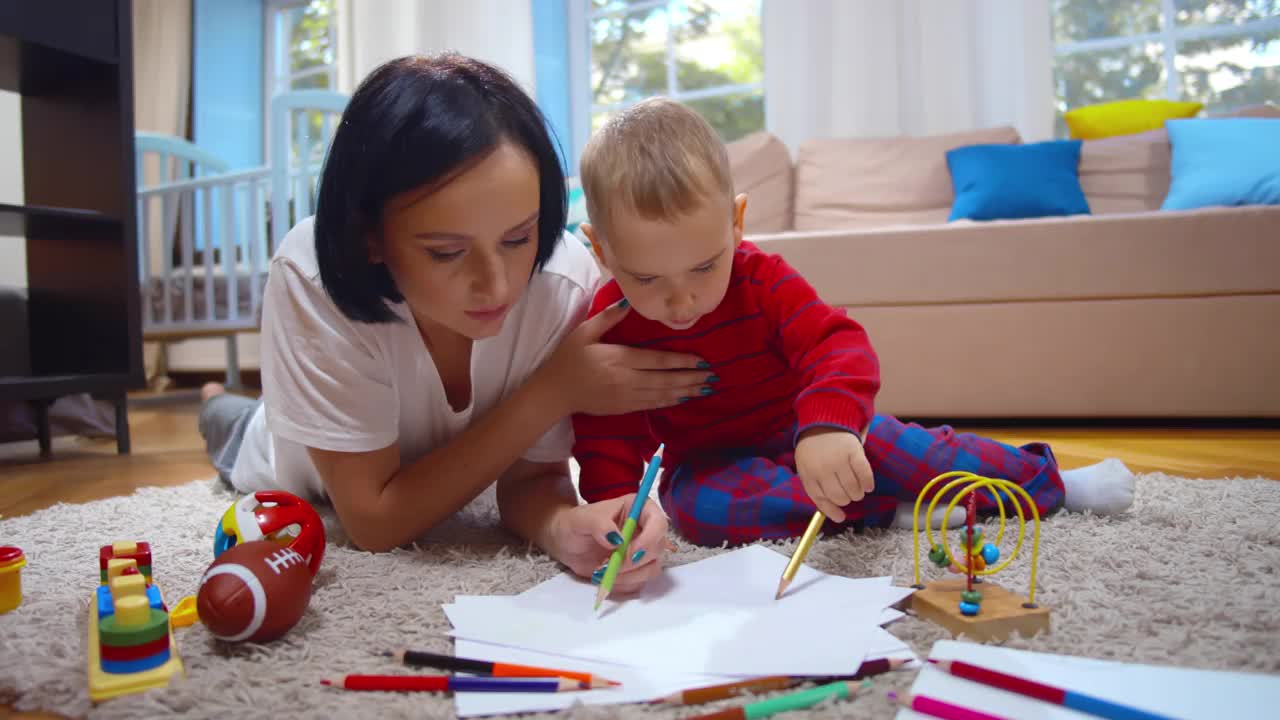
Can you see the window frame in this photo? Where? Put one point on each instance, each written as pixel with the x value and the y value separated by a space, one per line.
pixel 583 107
pixel 1170 36
pixel 273 81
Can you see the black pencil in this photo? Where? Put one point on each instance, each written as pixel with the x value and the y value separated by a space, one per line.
pixel 421 658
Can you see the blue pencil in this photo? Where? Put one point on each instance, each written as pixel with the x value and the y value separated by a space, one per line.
pixel 1058 696
pixel 629 527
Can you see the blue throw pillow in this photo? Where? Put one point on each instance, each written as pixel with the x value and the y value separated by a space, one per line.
pixel 1223 161
pixel 1007 182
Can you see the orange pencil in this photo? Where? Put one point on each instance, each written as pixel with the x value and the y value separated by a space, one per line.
pixel 422 658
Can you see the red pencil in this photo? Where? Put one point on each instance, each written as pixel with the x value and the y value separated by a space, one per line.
pixel 1077 701
pixel 939 709
pixel 451 683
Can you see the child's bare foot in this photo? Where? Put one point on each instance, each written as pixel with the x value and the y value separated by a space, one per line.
pixel 211 390
pixel 1104 488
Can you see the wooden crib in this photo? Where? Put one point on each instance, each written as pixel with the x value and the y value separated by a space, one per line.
pixel 206 235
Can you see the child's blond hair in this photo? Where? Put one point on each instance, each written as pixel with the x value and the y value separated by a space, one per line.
pixel 657 158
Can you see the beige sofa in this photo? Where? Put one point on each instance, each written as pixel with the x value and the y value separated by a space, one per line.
pixel 1130 312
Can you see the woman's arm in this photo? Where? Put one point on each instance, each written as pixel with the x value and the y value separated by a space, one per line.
pixel 383 504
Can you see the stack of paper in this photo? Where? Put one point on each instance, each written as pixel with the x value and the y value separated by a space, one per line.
pixel 700 624
pixel 1181 693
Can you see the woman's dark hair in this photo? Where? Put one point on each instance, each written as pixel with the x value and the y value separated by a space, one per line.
pixel 413 121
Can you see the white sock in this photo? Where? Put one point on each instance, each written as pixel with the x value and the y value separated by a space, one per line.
pixel 902 518
pixel 1105 488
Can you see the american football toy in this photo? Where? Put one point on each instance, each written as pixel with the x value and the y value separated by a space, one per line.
pixel 255 591
pixel 273 515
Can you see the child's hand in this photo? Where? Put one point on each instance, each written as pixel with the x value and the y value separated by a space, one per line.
pixel 584 541
pixel 834 469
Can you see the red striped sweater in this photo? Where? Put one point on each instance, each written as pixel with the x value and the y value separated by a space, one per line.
pixel 784 358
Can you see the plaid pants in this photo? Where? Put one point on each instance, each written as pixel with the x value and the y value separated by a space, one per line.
pixel 739 498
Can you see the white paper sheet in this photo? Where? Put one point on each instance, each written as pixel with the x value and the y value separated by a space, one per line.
pixel 1179 692
pixel 717 616
pixel 725 642
pixel 638 685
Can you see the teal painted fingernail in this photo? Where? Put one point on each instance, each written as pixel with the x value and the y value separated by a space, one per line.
pixel 614 538
pixel 624 304
pixel 599 572
pixel 706 391
pixel 637 557
pixel 683 400
pixel 713 378
pixel 597 579
pixel 704 365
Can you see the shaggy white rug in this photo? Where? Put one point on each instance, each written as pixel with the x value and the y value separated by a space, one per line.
pixel 1188 577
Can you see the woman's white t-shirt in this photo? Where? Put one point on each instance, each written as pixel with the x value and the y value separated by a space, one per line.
pixel 337 384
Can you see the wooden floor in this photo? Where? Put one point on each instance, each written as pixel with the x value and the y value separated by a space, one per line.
pixel 168 450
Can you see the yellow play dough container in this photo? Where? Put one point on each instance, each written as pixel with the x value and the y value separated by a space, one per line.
pixel 11 563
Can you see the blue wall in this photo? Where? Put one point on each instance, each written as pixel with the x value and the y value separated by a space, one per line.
pixel 551 67
pixel 226 87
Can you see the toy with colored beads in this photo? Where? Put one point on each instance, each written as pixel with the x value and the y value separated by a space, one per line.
pixel 972 606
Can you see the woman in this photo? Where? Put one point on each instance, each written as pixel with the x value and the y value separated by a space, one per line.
pixel 421 337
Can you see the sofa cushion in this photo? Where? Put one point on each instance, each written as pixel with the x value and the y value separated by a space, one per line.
pixel 1008 182
pixel 1126 173
pixel 760 165
pixel 1224 162
pixel 880 182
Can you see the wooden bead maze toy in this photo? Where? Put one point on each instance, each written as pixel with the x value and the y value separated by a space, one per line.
pixel 131 646
pixel 969 605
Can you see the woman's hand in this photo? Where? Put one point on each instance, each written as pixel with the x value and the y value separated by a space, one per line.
pixel 585 537
pixel 600 379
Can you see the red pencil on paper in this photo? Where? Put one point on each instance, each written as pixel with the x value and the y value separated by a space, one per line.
pixel 1058 696
pixel 451 683
pixel 939 709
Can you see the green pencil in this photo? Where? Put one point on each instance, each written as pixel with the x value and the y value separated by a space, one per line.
pixel 786 703
pixel 629 527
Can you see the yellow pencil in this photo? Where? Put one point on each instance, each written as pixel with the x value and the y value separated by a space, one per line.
pixel 797 557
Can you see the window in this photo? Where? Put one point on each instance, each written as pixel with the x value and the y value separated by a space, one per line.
pixel 300 48
pixel 1223 53
pixel 705 53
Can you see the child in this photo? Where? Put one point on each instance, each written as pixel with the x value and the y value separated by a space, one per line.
pixel 788 423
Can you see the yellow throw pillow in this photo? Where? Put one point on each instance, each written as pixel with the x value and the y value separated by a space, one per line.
pixel 1126 117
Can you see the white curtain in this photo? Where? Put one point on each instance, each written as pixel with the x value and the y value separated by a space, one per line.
pixel 161 99
pixel 161 65
pixel 499 32
pixel 868 68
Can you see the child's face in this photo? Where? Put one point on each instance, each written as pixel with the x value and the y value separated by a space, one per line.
pixel 676 270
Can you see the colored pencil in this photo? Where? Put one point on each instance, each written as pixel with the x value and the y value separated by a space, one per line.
pixel 712 693
pixel 629 527
pixel 421 658
pixel 450 683
pixel 786 703
pixel 797 557
pixel 1079 702
pixel 939 709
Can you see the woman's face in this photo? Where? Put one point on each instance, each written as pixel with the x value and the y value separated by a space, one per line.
pixel 462 253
